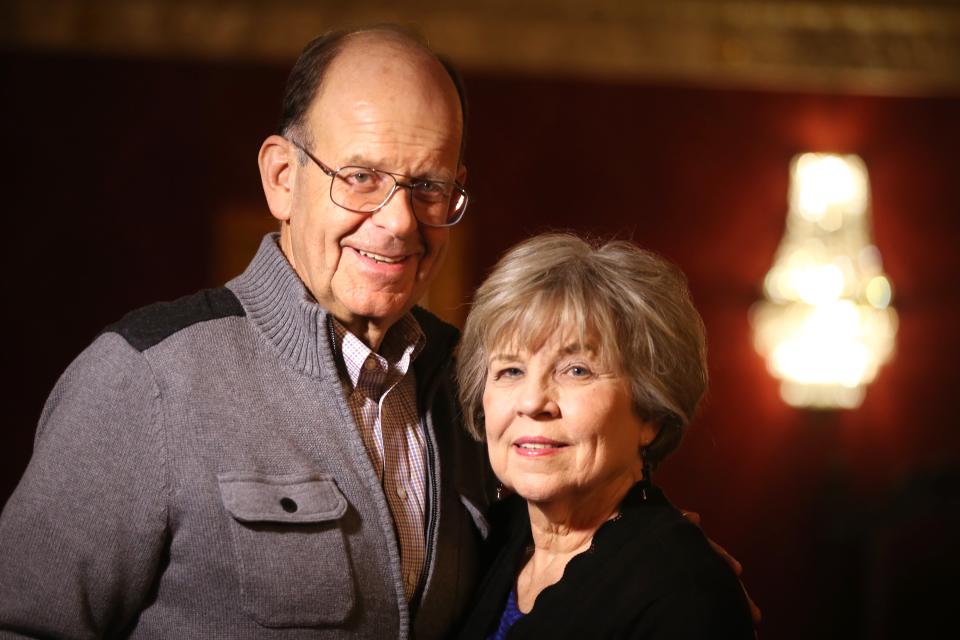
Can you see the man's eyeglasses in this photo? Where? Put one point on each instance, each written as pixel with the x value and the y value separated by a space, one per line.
pixel 367 190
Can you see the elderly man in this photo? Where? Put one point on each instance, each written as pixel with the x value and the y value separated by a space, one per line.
pixel 280 457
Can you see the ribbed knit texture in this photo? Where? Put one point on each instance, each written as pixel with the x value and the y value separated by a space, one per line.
pixel 214 485
pixel 278 303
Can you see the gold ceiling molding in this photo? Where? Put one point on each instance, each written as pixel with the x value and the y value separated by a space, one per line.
pixel 876 46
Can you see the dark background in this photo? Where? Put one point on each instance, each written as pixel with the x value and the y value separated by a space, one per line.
pixel 132 180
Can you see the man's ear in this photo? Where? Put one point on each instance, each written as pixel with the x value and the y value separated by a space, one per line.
pixel 462 174
pixel 278 167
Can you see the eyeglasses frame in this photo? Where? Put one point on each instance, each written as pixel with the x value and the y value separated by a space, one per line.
pixel 332 174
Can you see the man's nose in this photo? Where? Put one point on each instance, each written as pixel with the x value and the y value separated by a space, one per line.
pixel 396 215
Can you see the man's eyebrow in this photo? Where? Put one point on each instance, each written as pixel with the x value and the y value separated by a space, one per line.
pixel 361 161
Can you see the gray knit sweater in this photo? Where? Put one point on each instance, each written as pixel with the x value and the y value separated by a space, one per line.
pixel 198 474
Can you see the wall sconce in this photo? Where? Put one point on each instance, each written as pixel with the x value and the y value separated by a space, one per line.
pixel 825 324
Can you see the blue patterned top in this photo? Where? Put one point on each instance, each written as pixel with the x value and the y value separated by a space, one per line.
pixel 511 613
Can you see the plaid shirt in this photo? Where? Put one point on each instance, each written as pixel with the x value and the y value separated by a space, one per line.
pixel 381 390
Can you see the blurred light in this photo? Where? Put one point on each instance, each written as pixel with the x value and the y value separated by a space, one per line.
pixel 825 186
pixel 826 325
pixel 878 292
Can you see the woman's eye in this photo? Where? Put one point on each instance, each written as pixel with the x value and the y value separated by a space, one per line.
pixel 508 372
pixel 578 371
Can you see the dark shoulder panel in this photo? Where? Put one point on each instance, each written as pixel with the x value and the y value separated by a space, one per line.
pixel 147 326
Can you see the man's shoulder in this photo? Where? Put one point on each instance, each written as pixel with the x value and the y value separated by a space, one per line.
pixel 441 336
pixel 148 326
pixel 432 324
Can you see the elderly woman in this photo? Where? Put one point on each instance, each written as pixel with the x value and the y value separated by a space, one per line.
pixel 580 366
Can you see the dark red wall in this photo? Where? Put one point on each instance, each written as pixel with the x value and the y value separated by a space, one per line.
pixel 117 174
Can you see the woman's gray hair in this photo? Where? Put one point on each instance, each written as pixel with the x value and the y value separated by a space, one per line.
pixel 635 303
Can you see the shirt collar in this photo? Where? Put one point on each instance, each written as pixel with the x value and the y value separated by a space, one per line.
pixel 400 347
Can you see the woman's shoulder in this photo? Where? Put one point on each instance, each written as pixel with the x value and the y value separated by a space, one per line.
pixel 651 527
pixel 658 572
pixel 649 573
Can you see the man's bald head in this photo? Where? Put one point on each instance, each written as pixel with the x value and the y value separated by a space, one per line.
pixel 307 76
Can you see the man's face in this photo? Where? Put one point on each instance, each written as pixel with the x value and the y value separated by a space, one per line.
pixel 385 107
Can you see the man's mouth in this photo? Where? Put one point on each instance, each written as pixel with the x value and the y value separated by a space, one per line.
pixel 380 258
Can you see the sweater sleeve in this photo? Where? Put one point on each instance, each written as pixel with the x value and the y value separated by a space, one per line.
pixel 83 535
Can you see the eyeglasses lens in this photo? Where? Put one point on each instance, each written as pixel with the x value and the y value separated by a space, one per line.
pixel 366 190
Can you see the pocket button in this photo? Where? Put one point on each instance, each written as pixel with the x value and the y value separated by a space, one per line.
pixel 288 504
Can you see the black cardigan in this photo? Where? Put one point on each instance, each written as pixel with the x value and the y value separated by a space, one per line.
pixel 648 574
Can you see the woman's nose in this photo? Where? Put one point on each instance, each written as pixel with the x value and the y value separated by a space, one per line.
pixel 537 399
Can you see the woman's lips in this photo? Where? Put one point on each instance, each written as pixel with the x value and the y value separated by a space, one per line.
pixel 536 447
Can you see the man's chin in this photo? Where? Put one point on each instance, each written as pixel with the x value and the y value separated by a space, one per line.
pixel 382 309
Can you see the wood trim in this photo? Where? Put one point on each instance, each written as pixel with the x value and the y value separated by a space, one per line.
pixel 905 47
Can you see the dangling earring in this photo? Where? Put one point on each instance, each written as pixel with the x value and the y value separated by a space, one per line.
pixel 645 471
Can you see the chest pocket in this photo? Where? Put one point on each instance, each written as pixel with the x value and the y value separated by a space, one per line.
pixel 289 547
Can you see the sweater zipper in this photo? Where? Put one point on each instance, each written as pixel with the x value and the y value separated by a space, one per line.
pixel 431 520
pixel 434 489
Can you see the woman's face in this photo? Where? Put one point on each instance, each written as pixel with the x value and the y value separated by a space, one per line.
pixel 560 425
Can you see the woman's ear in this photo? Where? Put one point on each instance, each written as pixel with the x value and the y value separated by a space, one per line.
pixel 650 429
pixel 278 167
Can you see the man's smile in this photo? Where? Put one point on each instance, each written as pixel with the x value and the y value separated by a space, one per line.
pixel 381 258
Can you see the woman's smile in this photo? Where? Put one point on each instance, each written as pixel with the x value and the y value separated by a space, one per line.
pixel 537 447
